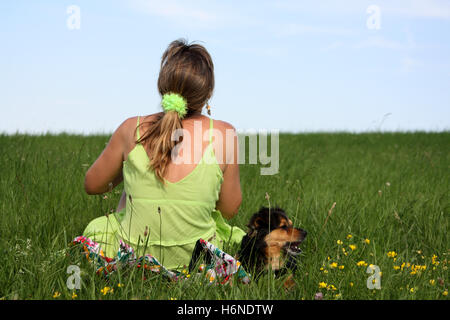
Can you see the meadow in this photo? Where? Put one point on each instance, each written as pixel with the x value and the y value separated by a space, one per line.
pixel 365 199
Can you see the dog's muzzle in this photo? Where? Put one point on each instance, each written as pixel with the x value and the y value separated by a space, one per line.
pixel 292 248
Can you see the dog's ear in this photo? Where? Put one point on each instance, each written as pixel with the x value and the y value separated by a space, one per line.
pixel 252 231
pixel 256 223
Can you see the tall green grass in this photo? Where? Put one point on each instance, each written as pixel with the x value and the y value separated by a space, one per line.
pixel 389 188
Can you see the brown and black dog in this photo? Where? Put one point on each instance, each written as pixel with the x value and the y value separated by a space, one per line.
pixel 271 242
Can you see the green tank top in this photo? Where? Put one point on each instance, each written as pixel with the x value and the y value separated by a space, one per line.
pixel 176 214
pixel 166 220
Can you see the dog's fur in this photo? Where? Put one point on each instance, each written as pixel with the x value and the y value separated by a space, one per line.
pixel 271 242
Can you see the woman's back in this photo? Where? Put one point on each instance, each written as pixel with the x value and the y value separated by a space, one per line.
pixel 176 214
pixel 176 190
pixel 196 127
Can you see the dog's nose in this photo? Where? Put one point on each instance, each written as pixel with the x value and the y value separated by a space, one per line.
pixel 304 233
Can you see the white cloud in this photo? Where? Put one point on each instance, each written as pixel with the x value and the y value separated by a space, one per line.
pixel 293 29
pixel 333 45
pixel 379 42
pixel 439 9
pixel 177 11
pixel 409 64
pixel 201 14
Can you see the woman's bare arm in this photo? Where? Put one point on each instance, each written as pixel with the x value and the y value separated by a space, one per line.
pixel 230 196
pixel 106 172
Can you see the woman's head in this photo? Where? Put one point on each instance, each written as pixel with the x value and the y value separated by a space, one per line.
pixel 187 70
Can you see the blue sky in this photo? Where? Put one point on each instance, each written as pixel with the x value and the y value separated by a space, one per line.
pixel 296 66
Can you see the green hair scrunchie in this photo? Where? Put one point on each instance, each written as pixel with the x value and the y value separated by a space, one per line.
pixel 174 102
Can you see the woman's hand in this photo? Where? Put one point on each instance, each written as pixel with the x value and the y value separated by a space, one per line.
pixel 122 202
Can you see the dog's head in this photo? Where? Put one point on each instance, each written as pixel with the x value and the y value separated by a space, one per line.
pixel 271 240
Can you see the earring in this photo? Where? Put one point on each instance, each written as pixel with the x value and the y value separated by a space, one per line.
pixel 208 108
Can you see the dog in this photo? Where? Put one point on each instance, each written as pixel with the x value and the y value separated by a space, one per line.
pixel 272 242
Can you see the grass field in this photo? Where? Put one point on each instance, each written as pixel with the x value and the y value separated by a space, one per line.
pixel 392 210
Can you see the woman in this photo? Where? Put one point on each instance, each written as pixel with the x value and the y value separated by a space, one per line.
pixel 174 193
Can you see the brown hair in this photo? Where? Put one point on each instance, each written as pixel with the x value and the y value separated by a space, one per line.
pixel 186 69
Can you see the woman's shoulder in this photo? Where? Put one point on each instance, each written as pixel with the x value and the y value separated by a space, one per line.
pixel 132 122
pixel 218 125
pixel 223 125
pixel 127 128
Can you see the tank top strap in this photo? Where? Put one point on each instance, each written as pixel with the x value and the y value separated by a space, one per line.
pixel 210 130
pixel 137 129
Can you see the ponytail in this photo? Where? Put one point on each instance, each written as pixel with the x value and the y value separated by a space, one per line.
pixel 186 82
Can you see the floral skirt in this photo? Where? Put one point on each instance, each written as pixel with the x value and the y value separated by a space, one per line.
pixel 220 267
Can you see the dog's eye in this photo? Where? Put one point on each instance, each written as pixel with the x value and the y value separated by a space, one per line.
pixel 285 227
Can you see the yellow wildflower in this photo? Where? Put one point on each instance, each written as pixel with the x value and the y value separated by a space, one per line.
pixel 74 295
pixel 341 267
pixel 56 294
pixel 120 285
pixel 349 236
pixel 333 265
pixel 432 282
pixel 361 263
pixel 396 267
pixel 391 254
pixel 434 260
pixel 352 246
pixel 351 284
pixel 322 285
pixel 367 241
pixel 417 268
pixel 339 242
pixel 445 293
pixel 105 290
pixel 331 287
